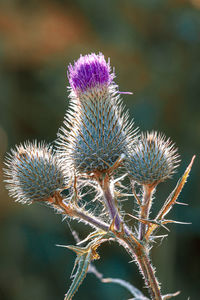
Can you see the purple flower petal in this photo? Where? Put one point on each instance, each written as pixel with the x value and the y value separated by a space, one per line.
pixel 88 72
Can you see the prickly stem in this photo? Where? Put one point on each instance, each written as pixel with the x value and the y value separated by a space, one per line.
pixel 145 209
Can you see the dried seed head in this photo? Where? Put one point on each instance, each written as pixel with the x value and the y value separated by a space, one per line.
pixel 96 131
pixel 152 160
pixel 33 173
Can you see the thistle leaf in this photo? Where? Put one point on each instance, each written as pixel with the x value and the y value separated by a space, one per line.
pixel 95 234
pixel 90 236
pixel 171 200
pixel 84 257
pixel 83 262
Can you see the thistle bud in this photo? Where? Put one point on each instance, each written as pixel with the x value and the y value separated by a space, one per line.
pixel 152 160
pixel 96 131
pixel 33 173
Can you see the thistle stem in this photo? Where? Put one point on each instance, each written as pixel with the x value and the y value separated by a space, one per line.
pixel 78 213
pixel 134 247
pixel 149 276
pixel 110 202
pixel 139 253
pixel 137 250
pixel 112 208
pixel 144 209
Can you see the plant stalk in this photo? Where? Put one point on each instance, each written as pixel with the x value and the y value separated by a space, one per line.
pixel 144 209
pixel 135 247
pixel 140 254
pixel 125 237
pixel 110 202
pixel 75 212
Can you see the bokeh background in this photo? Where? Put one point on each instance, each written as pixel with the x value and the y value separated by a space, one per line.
pixel 155 48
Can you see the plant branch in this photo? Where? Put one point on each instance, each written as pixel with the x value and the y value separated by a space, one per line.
pixel 144 209
pixel 74 211
pixel 139 253
pixel 110 201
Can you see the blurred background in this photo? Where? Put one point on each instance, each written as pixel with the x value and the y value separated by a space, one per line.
pixel 155 48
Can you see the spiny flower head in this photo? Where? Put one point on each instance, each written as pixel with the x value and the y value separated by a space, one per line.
pixel 89 71
pixel 152 160
pixel 96 131
pixel 33 173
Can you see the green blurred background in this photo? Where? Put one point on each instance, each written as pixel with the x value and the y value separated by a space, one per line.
pixel 155 48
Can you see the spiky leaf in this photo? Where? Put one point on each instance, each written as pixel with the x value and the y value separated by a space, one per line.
pixel 171 200
pixel 82 261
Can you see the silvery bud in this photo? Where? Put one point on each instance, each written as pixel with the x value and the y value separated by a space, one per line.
pixel 152 160
pixel 33 173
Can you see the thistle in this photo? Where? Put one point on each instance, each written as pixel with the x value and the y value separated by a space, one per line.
pixel 152 160
pixel 33 173
pixel 99 133
pixel 95 140
pixel 96 131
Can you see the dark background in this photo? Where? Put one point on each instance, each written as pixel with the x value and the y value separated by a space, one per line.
pixel 155 48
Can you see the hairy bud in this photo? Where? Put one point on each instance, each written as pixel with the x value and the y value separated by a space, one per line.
pixel 33 173
pixel 152 160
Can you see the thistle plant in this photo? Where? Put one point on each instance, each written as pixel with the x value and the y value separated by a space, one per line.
pixel 96 149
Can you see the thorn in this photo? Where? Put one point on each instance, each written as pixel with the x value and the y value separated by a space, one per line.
pixel 77 250
pixel 63 246
pixel 165 227
pixel 168 296
pixel 120 178
pixel 135 195
pixel 117 163
pixel 181 203
pixel 125 93
pixel 176 222
pixel 134 217
pixel 144 221
pixel 159 236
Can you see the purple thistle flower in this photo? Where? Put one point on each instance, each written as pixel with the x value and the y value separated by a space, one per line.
pixel 89 71
pixel 96 130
